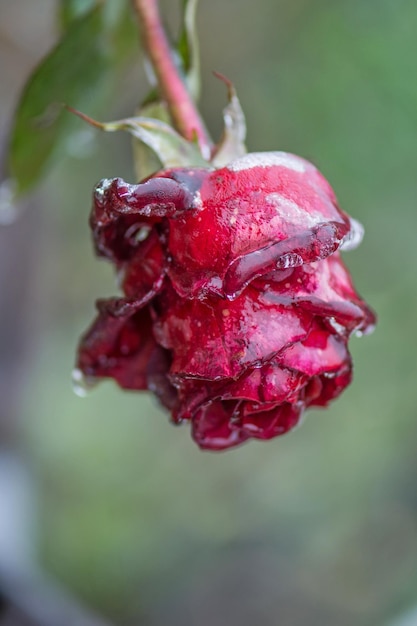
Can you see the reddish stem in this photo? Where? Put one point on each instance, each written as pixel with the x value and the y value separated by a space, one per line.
pixel 184 113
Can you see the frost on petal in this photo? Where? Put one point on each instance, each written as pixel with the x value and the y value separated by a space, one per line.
pixel 119 344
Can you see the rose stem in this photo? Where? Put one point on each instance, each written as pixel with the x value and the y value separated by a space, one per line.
pixel 184 113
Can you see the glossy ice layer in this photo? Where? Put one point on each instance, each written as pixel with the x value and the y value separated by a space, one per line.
pixel 237 307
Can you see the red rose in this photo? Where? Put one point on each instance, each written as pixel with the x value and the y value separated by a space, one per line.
pixel 237 308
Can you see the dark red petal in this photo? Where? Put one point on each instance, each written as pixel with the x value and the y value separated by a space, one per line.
pixel 119 344
pixel 212 427
pixel 332 386
pixel 216 339
pixel 272 423
pixel 121 210
pixel 269 384
pixel 143 276
pixel 158 381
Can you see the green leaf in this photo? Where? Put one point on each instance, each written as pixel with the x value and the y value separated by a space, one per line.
pixel 71 10
pixel 168 146
pixel 188 47
pixel 73 73
pixel 145 160
pixel 232 143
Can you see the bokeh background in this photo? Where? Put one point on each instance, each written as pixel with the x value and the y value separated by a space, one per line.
pixel 316 528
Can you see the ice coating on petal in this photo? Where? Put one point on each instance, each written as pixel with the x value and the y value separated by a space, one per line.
pixel 120 209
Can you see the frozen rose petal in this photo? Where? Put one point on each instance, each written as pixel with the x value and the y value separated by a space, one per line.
pixel 323 288
pixel 121 210
pixel 143 276
pixel 212 427
pixel 216 339
pixel 273 423
pixel 320 352
pixel 158 381
pixel 238 307
pixel 269 384
pixel 332 386
pixel 118 345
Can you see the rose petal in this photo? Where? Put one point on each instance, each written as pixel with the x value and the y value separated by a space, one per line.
pixel 267 385
pixel 320 352
pixel 158 382
pixel 332 386
pixel 216 339
pixel 143 276
pixel 272 423
pixel 119 344
pixel 212 427
pixel 120 210
pixel 323 288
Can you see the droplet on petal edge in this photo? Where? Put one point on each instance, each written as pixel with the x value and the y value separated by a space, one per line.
pixel 8 210
pixel 354 237
pixel 102 187
pixel 82 384
pixel 368 331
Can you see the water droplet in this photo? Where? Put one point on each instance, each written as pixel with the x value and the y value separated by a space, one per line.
pixel 367 331
pixel 142 233
pixel 354 237
pixel 336 326
pixel 101 188
pixel 82 384
pixel 136 234
pixel 291 259
pixel 8 209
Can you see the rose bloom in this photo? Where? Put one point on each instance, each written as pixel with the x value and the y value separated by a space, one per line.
pixel 237 307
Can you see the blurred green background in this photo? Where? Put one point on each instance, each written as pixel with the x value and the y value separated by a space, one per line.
pixel 316 528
